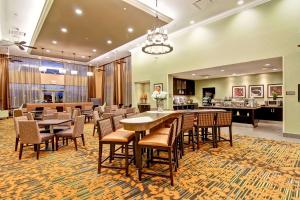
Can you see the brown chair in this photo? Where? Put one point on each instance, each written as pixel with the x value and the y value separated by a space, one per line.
pixel 30 134
pixel 164 142
pixel 203 123
pixel 223 119
pixel 96 118
pixel 73 133
pixel 30 116
pixel 108 136
pixel 17 113
pixel 17 129
pixel 188 127
pixel 53 115
pixel 63 116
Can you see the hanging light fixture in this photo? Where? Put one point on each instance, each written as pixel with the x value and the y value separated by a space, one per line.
pixel 62 70
pixel 74 72
pixel 157 40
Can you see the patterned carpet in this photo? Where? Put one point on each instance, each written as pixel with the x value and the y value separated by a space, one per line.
pixel 252 169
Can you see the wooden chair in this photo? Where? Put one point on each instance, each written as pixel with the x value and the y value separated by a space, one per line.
pixel 17 113
pixel 223 119
pixel 108 136
pixel 73 133
pixel 96 118
pixel 188 127
pixel 203 123
pixel 17 129
pixel 160 141
pixel 30 134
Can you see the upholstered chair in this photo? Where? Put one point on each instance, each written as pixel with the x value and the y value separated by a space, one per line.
pixel 30 116
pixel 96 118
pixel 203 123
pixel 73 133
pixel 189 130
pixel 108 136
pixel 16 124
pixel 29 134
pixel 69 110
pixel 76 113
pixel 63 116
pixel 17 113
pixel 223 120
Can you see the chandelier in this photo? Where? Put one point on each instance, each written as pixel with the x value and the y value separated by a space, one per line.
pixel 157 41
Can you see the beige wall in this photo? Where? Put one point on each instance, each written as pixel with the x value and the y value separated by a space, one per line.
pixel 267 31
pixel 224 85
pixel 142 89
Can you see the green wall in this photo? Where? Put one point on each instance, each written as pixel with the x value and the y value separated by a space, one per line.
pixel 223 86
pixel 267 31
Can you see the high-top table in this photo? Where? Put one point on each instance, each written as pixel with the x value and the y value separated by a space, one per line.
pixel 150 119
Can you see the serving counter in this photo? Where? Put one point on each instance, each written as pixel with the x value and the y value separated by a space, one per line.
pixel 33 106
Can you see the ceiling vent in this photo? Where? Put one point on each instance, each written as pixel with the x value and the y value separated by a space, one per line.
pixel 202 4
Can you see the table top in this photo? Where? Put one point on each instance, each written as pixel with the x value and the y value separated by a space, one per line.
pixel 48 122
pixel 231 107
pixel 150 119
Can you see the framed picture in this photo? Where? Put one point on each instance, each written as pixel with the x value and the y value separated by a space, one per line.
pixel 256 91
pixel 275 89
pixel 239 91
pixel 161 85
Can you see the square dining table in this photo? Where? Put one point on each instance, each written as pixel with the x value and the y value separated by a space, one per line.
pixel 53 122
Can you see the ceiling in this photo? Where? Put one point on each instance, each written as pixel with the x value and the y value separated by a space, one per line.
pixel 99 22
pixel 239 69
pixel 104 20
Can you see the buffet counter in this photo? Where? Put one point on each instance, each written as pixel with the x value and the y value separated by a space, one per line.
pixel 33 106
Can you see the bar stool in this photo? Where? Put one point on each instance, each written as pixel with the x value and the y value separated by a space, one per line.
pixel 159 141
pixel 188 127
pixel 204 122
pixel 223 120
pixel 108 136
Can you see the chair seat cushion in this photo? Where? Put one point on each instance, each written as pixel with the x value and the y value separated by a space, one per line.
pixel 65 133
pixel 155 139
pixel 164 131
pixel 122 136
pixel 46 136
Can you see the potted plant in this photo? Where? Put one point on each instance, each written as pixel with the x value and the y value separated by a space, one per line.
pixel 275 95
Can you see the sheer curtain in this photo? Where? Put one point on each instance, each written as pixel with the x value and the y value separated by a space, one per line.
pixel 109 84
pixel 76 86
pixel 24 81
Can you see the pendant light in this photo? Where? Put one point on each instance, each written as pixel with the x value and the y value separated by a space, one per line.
pixel 74 72
pixel 62 70
pixel 90 73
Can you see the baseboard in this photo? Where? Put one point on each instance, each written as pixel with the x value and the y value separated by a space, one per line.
pixel 291 135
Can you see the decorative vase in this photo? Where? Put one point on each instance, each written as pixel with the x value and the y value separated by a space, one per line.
pixel 160 105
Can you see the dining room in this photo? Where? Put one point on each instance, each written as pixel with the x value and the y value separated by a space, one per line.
pixel 149 99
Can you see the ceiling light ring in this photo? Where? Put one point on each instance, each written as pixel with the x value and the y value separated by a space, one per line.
pixel 146 48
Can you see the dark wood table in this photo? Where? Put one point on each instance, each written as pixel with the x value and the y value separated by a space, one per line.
pixel 53 122
pixel 150 119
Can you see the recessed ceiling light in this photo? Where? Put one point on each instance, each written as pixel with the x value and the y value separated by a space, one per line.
pixel 240 2
pixel 274 69
pixel 206 76
pixel 267 65
pixel 193 74
pixel 48 51
pixel 130 30
pixel 109 41
pixel 78 11
pixel 64 30
pixel 222 70
pixel 264 68
pixel 234 74
pixel 192 22
pixel 107 57
pixel 39 57
pixel 94 50
pixel 54 42
pixel 82 56
pixel 124 8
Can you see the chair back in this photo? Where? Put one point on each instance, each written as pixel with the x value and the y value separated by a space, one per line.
pixel 114 107
pixel 104 127
pixel 130 115
pixel 188 121
pixel 29 132
pixel 120 111
pixel 206 119
pixel 130 110
pixel 66 116
pixel 116 122
pixel 50 116
pixel 49 111
pixel 106 115
pixel 96 117
pixel 88 107
pixel 172 132
pixel 78 126
pixel 17 113
pixel 16 123
pixel 69 110
pixel 30 116
pixel 76 113
pixel 59 108
pixel 224 119
pixel 179 124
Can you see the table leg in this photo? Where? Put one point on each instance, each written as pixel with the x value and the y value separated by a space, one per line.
pixel 138 156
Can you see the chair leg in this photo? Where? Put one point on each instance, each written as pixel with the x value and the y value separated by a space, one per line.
pixel 171 166
pixel 230 135
pixel 126 159
pixel 53 144
pixel 38 151
pixel 182 143
pixel 67 141
pixel 197 138
pixel 140 165
pixel 100 158
pixel 219 133
pixel 21 151
pixel 16 145
pixel 56 141
pixel 75 142
pixel 82 137
pixel 47 144
pixel 94 130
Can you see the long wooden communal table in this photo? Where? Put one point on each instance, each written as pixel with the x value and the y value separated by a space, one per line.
pixel 148 120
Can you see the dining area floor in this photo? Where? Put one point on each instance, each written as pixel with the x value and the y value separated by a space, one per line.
pixel 254 168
